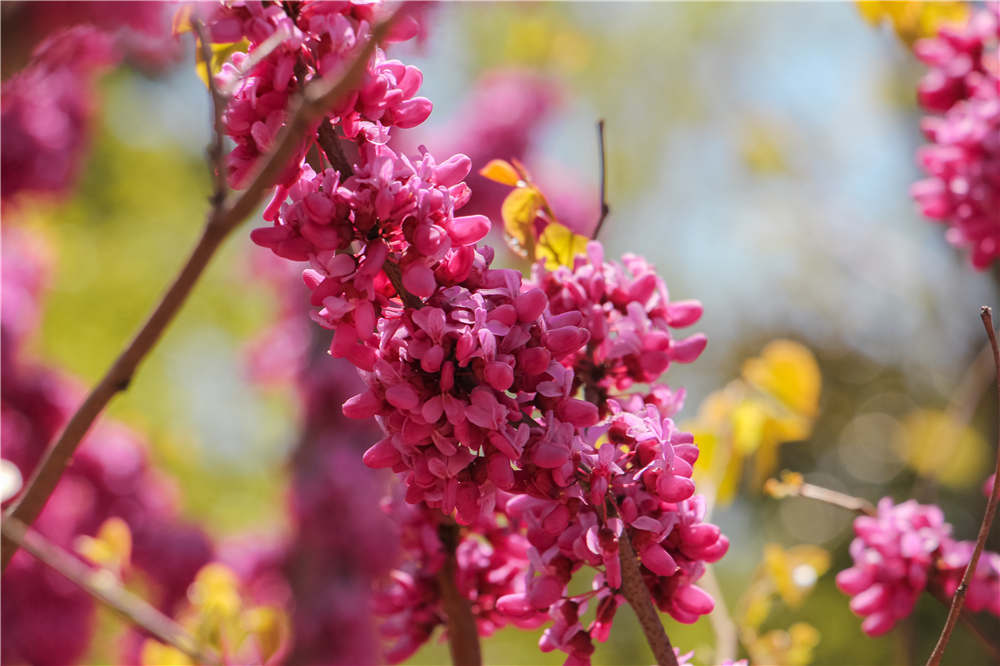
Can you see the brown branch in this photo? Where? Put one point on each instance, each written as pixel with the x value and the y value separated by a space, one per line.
pixel 221 220
pixel 970 623
pixel 103 586
pixel 637 595
pixel 216 150
pixel 984 528
pixel 463 634
pixel 330 144
pixel 605 208
pixel 395 276
pixel 792 485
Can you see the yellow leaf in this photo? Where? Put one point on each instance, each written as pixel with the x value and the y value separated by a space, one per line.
pixel 500 171
pixel 913 19
pixel 785 648
pixel 789 372
pixel 755 605
pixel 182 19
pixel 220 54
pixel 794 572
pixel 518 212
pixel 936 445
pixel 110 548
pixel 269 628
pixel 155 653
pixel 749 419
pixel 558 245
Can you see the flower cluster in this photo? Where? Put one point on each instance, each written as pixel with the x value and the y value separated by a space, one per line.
pixel 963 160
pixel 901 551
pixel 637 481
pixel 398 214
pixel 109 476
pixel 627 310
pixel 313 40
pixel 455 385
pixel 473 373
pixel 490 561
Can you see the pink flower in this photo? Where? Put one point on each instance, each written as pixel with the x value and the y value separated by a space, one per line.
pixel 893 556
pixel 963 160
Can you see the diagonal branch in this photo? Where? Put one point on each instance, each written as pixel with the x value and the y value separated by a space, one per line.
pixel 984 528
pixel 103 586
pixel 221 220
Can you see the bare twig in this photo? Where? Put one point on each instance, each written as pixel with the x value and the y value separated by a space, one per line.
pixel 605 208
pixel 984 528
pixel 463 634
pixel 221 220
pixel 972 625
pixel 637 594
pixel 216 150
pixel 792 485
pixel 103 586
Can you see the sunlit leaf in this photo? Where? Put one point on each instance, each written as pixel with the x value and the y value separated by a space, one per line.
pixel 558 245
pixel 787 486
pixel 936 445
pixel 913 19
pixel 155 653
pixel 110 548
pixel 793 647
pixel 220 54
pixel 794 572
pixel 500 171
pixel 518 212
pixel 755 605
pixel 268 626
pixel 788 371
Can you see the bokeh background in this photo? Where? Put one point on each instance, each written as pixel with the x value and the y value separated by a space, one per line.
pixel 759 154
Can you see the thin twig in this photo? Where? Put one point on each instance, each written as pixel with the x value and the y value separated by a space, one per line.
pixel 984 528
pixel 103 586
pixel 972 625
pixel 463 634
pixel 605 208
pixel 216 150
pixel 793 486
pixel 221 220
pixel 637 594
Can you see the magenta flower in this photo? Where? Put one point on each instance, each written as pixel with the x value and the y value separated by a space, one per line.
pixel 963 160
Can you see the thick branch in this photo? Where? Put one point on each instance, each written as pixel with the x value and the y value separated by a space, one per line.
pixel 103 586
pixel 222 219
pixel 637 595
pixel 984 528
pixel 463 634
